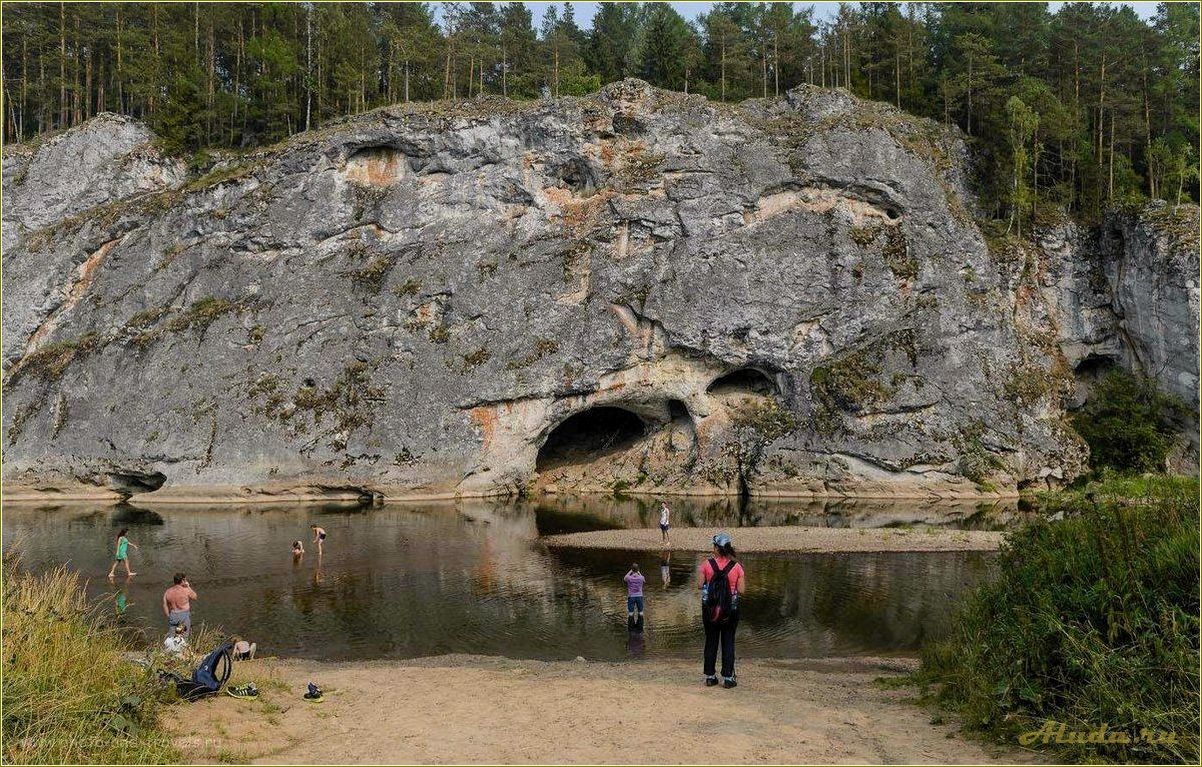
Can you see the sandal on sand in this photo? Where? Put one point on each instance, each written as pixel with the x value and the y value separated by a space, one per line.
pixel 314 694
pixel 246 691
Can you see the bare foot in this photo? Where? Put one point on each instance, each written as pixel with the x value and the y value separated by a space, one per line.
pixel 130 575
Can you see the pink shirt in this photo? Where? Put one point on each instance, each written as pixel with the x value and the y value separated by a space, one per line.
pixel 634 584
pixel 735 576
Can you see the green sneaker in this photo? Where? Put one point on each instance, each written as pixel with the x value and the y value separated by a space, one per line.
pixel 243 692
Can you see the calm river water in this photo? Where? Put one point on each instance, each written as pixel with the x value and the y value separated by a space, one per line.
pixel 410 580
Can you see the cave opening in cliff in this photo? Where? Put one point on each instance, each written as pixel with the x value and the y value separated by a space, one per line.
pixel 588 435
pixel 1087 374
pixel 743 381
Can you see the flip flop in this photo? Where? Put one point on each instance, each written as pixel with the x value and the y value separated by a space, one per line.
pixel 314 694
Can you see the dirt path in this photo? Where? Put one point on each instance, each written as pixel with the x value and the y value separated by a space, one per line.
pixel 474 709
pixel 749 539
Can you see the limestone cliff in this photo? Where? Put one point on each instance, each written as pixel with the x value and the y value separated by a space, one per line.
pixel 638 290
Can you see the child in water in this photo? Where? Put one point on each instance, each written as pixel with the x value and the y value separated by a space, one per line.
pixel 319 537
pixel 298 549
pixel 122 555
pixel 634 593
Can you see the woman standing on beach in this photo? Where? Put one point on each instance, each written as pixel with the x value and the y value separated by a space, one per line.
pixel 664 522
pixel 721 585
pixel 122 555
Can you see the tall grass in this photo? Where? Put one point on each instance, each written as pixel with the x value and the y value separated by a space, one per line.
pixel 1092 621
pixel 69 693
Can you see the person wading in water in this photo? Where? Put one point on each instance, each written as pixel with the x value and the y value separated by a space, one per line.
pixel 721 584
pixel 177 604
pixel 122 555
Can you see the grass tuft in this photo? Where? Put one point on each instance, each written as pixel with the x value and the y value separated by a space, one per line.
pixel 70 695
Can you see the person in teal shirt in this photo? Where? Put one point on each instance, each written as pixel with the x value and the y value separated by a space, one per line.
pixel 123 544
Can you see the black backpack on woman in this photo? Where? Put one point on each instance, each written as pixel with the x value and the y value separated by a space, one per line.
pixel 718 602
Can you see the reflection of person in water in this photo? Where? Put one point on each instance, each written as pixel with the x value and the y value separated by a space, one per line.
pixel 121 602
pixel 665 568
pixel 318 574
pixel 636 639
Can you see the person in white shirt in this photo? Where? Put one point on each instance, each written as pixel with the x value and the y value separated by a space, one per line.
pixel 664 522
pixel 175 643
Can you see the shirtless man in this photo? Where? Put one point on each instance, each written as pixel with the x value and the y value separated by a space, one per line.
pixel 177 605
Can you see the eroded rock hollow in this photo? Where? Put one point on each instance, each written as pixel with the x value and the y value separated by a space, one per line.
pixel 637 291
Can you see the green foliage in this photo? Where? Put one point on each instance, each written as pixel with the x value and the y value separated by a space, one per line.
pixel 670 48
pixel 70 695
pixel 1109 103
pixel 1128 423
pixel 50 361
pixel 202 313
pixel 1092 620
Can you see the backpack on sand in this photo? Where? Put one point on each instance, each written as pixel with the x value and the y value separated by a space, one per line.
pixel 718 602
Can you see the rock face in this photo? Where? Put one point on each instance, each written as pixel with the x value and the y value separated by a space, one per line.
pixel 636 291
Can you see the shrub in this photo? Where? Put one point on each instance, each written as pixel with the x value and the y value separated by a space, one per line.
pixel 1128 423
pixel 1092 620
pixel 69 694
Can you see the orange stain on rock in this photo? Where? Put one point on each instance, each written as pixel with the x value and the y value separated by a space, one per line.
pixel 485 417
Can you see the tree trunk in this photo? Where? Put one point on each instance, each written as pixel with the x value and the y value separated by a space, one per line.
pixel 822 63
pixel 308 64
pixel 1110 182
pixel 24 86
pixel 1148 137
pixel 723 62
pixel 62 64
pixel 897 74
pixel 446 74
pixel 763 71
pixel 969 129
pixel 1101 110
pixel 211 90
pixel 776 64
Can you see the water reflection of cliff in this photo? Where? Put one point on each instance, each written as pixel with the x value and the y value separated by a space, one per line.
pixel 569 514
pixel 409 580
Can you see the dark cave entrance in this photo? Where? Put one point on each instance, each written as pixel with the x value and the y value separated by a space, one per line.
pixel 743 381
pixel 589 434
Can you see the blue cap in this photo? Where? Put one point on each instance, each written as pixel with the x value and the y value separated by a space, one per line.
pixel 721 539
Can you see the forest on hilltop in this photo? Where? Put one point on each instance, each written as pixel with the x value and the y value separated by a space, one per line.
pixel 1084 109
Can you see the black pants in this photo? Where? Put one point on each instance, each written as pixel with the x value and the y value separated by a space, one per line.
pixel 725 633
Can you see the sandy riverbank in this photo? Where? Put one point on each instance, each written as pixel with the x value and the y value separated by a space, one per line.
pixel 753 539
pixel 476 709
